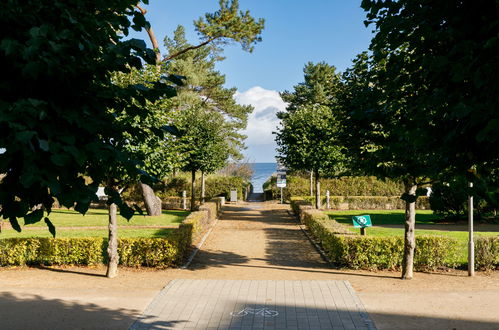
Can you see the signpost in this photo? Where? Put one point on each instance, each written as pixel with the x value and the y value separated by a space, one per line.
pixel 281 180
pixel 362 221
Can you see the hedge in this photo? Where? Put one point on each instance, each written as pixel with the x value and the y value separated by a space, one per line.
pixel 368 202
pixel 348 249
pixel 133 252
pixel 343 186
pixel 487 253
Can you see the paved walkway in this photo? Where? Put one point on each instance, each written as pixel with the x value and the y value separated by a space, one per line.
pixel 246 304
pixel 252 238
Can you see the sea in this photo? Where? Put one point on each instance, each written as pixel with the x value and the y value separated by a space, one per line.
pixel 261 173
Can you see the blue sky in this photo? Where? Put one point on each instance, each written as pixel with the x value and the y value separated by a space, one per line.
pixel 296 32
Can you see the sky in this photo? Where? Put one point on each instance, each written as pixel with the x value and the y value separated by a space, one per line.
pixel 295 33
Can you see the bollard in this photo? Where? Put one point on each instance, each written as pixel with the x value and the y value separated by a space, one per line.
pixel 327 200
pixel 184 200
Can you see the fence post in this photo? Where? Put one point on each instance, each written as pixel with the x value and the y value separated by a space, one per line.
pixel 327 200
pixel 184 200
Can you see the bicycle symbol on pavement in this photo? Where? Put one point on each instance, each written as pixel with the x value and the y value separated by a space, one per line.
pixel 264 312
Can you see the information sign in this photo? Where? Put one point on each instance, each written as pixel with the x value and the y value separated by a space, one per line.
pixel 281 180
pixel 362 221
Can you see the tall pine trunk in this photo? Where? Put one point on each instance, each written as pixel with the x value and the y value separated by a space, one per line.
pixel 409 236
pixel 203 187
pixel 193 190
pixel 317 190
pixel 311 183
pixel 151 201
pixel 112 249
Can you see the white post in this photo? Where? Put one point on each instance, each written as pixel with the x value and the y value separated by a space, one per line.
pixel 327 200
pixel 184 200
pixel 471 243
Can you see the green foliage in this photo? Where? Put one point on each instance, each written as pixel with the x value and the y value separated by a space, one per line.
pixel 370 202
pixel 59 106
pixel 449 199
pixel 149 252
pixel 298 185
pixel 347 249
pixel 307 138
pixel 445 71
pixel 230 24
pixel 133 252
pixel 487 253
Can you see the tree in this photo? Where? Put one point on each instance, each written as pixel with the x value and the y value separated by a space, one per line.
pixel 58 102
pixel 384 136
pixel 217 29
pixel 438 61
pixel 203 142
pixel 307 137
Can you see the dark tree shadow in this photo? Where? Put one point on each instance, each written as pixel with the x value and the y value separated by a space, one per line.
pixel 37 312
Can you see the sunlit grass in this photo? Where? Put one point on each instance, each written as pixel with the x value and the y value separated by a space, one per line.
pixel 97 218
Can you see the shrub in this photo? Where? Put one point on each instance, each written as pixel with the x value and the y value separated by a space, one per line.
pixel 133 252
pixel 71 251
pixel 368 202
pixel 344 186
pixel 351 250
pixel 148 252
pixel 487 252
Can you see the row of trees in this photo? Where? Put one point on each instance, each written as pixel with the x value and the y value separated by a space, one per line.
pixel 420 106
pixel 83 105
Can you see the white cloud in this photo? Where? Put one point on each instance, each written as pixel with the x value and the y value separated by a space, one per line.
pixel 261 122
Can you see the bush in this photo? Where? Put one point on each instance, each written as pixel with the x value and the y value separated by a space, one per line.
pixel 368 202
pixel 348 249
pixel 133 252
pixel 344 186
pixel 487 253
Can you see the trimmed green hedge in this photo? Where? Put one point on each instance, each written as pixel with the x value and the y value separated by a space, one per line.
pixel 133 252
pixel 344 186
pixel 351 250
pixel 368 202
pixel 487 253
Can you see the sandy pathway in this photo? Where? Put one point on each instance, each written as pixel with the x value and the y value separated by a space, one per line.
pixel 250 241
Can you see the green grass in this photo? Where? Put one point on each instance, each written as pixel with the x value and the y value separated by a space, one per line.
pixel 98 218
pixel 383 217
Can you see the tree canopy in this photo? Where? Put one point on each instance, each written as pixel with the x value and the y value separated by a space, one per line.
pixel 59 105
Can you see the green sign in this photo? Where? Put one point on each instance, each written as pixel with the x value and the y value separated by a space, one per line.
pixel 362 221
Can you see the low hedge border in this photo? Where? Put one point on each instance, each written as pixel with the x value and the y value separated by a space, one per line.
pixel 133 252
pixel 368 202
pixel 350 250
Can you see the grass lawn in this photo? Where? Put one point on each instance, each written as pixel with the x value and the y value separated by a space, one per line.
pixel 396 217
pixel 98 218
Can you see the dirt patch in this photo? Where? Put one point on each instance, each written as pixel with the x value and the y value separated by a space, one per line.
pixel 250 241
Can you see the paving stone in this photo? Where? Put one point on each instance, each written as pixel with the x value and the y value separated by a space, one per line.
pixel 251 304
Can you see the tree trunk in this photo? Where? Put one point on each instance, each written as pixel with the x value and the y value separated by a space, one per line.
pixel 193 190
pixel 317 190
pixel 151 201
pixel 202 187
pixel 311 183
pixel 112 249
pixel 409 236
